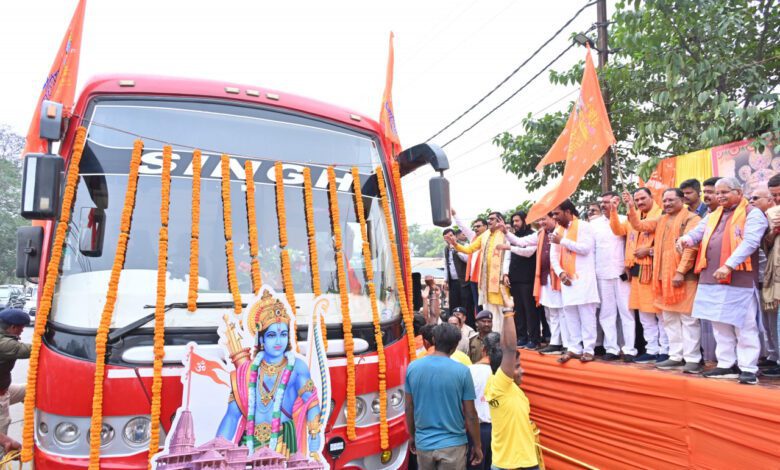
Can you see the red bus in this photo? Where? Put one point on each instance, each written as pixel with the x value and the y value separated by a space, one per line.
pixel 246 123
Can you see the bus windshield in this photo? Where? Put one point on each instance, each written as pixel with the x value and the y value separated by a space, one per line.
pixel 246 134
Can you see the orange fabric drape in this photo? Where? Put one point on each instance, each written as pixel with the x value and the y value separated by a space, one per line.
pixel 663 177
pixel 615 416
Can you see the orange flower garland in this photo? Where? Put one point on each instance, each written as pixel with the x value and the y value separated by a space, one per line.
pixel 159 308
pixel 384 439
pixel 281 214
pixel 101 336
pixel 349 344
pixel 228 224
pixel 192 295
pixel 308 203
pixel 251 222
pixel 52 274
pixel 404 229
pixel 405 311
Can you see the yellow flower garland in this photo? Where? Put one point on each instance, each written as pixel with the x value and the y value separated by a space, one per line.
pixel 404 229
pixel 384 438
pixel 101 336
pixel 159 309
pixel 281 214
pixel 308 202
pixel 349 344
pixel 251 222
pixel 405 311
pixel 228 224
pixel 52 274
pixel 192 295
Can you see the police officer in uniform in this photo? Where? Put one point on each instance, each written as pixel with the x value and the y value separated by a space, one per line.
pixel 12 323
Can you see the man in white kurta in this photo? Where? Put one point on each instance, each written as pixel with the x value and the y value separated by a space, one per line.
pixel 578 289
pixel 728 279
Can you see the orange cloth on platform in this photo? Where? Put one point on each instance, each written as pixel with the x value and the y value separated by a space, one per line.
pixel 670 421
pixel 641 297
pixel 667 261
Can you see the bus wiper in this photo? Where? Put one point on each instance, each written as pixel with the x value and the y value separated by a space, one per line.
pixel 125 330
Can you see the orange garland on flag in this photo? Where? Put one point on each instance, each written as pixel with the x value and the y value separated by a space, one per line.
pixel 228 224
pixel 251 222
pixel 405 311
pixel 52 274
pixel 404 229
pixel 349 344
pixel 192 295
pixel 101 336
pixel 281 214
pixel 308 203
pixel 159 309
pixel 384 438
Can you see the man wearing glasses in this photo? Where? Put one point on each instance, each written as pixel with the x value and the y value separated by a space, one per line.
pixel 727 264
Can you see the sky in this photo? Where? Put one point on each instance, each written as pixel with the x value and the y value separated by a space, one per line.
pixel 448 54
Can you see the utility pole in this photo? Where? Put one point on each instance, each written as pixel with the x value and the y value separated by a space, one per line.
pixel 603 48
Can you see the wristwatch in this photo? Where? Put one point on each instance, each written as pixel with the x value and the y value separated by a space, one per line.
pixel 507 310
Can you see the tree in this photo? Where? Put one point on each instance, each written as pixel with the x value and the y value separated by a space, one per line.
pixel 426 244
pixel 11 146
pixel 683 75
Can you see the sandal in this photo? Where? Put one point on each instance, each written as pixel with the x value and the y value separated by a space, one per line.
pixel 587 357
pixel 567 356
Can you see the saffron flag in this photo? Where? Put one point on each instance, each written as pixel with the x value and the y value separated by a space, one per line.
pixel 663 178
pixel 586 137
pixel 202 366
pixel 387 115
pixel 60 84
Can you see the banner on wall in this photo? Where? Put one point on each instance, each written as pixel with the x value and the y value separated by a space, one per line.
pixel 741 160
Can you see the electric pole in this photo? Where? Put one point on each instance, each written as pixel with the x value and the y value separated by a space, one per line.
pixel 603 48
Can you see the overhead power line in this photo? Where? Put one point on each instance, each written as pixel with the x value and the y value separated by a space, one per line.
pixel 512 74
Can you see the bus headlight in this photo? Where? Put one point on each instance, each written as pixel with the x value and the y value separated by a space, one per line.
pixel 106 434
pixel 375 406
pixel 360 409
pixel 138 431
pixel 66 433
pixel 397 398
pixel 43 428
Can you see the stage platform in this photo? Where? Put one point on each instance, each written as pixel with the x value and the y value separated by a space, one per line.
pixel 621 416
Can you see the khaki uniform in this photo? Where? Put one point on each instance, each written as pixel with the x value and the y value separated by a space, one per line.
pixel 11 349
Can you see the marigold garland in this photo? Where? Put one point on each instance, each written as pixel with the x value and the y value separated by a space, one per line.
pixel 405 311
pixel 228 224
pixel 101 336
pixel 192 295
pixel 308 203
pixel 396 170
pixel 251 223
pixel 159 308
pixel 349 344
pixel 384 438
pixel 52 275
pixel 281 214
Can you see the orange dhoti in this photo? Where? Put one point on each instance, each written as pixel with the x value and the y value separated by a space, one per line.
pixel 642 297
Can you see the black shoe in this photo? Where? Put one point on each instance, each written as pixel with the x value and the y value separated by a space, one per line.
pixel 521 343
pixel 646 358
pixel 748 378
pixel 629 358
pixel 610 357
pixel 530 345
pixel 662 358
pixel 599 351
pixel 766 363
pixel 773 372
pixel 551 350
pixel 722 373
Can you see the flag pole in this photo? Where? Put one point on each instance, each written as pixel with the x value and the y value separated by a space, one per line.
pixel 619 168
pixel 189 378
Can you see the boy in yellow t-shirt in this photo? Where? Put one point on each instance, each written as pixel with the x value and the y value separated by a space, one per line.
pixel 512 439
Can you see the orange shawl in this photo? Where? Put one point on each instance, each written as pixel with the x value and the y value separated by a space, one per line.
pixel 568 257
pixel 734 234
pixel 667 256
pixel 637 239
pixel 554 279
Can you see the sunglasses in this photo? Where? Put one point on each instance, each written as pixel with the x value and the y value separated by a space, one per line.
pixel 756 198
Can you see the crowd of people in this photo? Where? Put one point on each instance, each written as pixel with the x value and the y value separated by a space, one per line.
pixel 691 284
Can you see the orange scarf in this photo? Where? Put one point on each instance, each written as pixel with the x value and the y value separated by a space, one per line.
pixel 667 255
pixel 638 239
pixel 554 279
pixel 734 234
pixel 568 257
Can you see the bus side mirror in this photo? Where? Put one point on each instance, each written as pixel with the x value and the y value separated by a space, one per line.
pixel 92 228
pixel 440 201
pixel 41 182
pixel 29 244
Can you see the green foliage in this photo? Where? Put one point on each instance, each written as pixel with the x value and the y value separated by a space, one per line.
pixel 684 75
pixel 426 243
pixel 10 196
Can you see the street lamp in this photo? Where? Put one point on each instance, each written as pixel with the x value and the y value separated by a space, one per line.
pixel 582 39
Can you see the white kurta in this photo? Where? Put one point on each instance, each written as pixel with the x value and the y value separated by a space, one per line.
pixel 583 289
